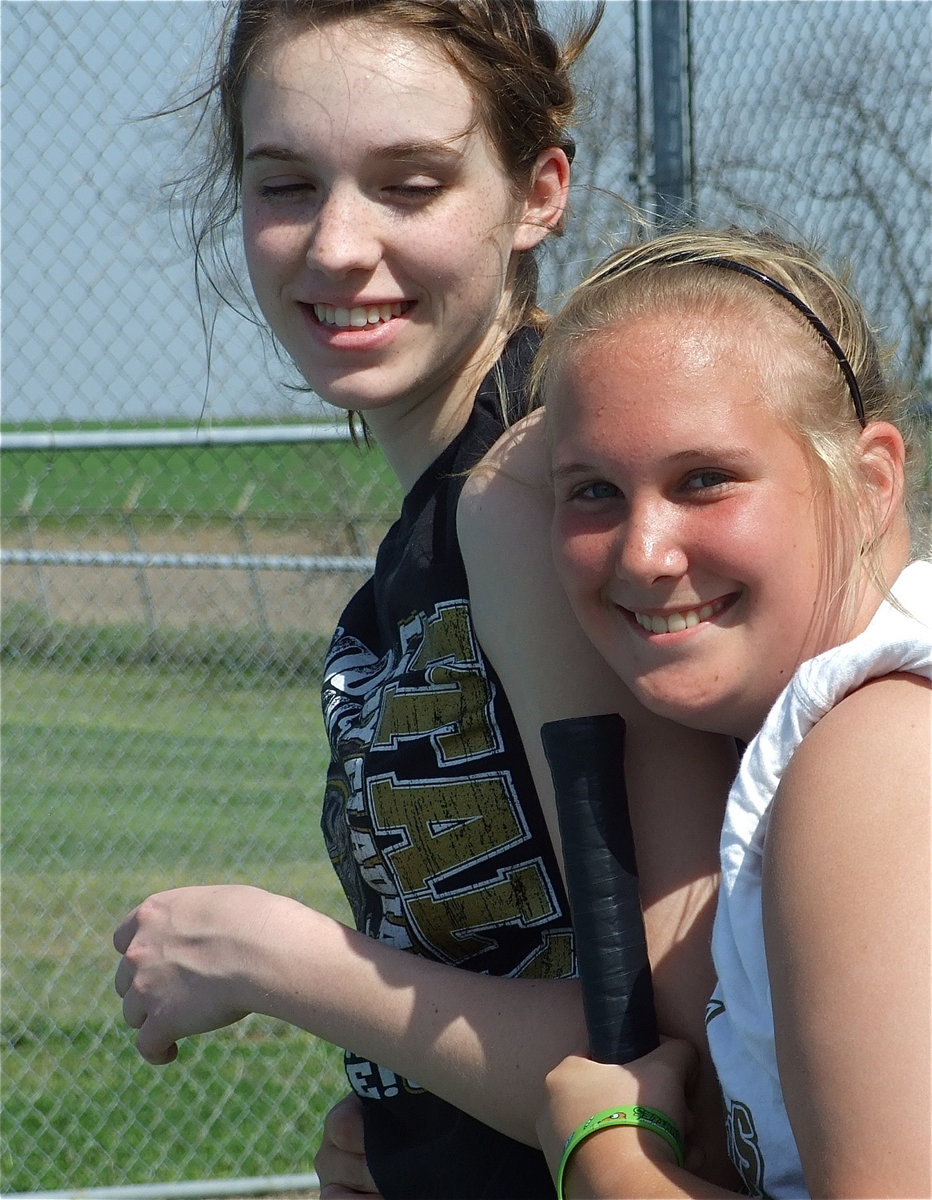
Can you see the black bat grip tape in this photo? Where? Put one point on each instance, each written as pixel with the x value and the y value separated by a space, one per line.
pixel 586 756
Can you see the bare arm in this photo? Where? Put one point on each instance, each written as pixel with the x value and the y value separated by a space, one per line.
pixel 847 894
pixel 199 958
pixel 619 1162
pixel 847 924
pixel 677 779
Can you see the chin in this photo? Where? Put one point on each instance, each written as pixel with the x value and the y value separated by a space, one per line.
pixel 695 711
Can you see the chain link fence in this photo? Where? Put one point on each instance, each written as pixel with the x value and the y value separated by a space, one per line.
pixel 171 576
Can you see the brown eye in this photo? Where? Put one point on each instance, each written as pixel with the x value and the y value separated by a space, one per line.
pixel 277 191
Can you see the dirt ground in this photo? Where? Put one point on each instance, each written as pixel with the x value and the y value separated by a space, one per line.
pixel 229 598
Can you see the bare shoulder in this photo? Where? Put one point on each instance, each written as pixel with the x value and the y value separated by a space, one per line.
pixel 878 737
pixel 519 610
pixel 864 768
pixel 503 523
pixel 846 901
pixel 508 489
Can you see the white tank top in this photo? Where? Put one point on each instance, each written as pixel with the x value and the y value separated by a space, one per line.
pixel 739 1016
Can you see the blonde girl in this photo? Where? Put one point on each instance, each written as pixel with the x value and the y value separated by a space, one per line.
pixel 732 465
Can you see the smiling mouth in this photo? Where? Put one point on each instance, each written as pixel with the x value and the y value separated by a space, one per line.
pixel 359 317
pixel 686 618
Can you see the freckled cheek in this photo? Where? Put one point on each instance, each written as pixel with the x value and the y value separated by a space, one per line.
pixel 255 228
pixel 728 542
pixel 468 260
pixel 270 246
pixel 583 561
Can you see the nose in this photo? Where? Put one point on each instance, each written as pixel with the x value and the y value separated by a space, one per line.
pixel 343 236
pixel 650 547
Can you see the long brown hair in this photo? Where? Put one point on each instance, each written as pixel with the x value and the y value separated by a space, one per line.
pixel 517 71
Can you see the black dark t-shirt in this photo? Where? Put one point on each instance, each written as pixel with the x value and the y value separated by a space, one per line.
pixel 430 814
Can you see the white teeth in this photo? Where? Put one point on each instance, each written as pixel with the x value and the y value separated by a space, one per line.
pixel 359 317
pixel 678 621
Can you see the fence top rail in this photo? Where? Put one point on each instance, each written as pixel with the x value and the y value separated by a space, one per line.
pixel 17 557
pixel 233 435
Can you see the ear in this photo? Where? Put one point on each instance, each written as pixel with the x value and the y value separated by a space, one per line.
pixel 882 458
pixel 546 199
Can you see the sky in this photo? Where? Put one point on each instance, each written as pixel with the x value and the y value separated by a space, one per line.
pixel 100 316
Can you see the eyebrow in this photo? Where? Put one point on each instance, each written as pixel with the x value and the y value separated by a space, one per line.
pixel 731 453
pixel 735 454
pixel 439 151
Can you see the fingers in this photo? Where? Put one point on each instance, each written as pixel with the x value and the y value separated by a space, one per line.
pixel 134 1013
pixel 123 980
pixel 157 1052
pixel 343 1125
pixel 340 1162
pixel 342 1174
pixel 153 1049
pixel 336 1191
pixel 125 932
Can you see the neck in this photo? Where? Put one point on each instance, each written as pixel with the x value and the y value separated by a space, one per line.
pixel 876 576
pixel 412 433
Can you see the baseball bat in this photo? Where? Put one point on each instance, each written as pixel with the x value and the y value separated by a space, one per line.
pixel 586 758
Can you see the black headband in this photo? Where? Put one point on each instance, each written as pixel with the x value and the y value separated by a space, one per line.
pixel 819 326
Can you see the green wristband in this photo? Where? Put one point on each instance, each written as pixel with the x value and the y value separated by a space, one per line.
pixel 632 1114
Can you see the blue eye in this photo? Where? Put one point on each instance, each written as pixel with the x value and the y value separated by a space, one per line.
pixel 598 490
pixel 705 479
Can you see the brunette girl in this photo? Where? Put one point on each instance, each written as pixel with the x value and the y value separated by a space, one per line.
pixel 395 164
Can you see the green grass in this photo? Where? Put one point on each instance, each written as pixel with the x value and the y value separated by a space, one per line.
pixel 227 1109
pixel 332 480
pixel 118 782
pixel 28 635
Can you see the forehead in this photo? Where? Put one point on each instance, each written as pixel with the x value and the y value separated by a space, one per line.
pixel 665 371
pixel 356 79
pixel 669 340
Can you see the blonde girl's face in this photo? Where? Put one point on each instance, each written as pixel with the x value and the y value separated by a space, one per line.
pixel 379 224
pixel 685 529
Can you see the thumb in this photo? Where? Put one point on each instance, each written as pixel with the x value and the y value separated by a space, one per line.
pixel 153 1049
pixel 680 1056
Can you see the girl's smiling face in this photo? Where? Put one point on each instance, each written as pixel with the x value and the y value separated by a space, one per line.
pixel 379 224
pixel 685 528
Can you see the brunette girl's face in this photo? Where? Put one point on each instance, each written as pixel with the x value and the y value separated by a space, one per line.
pixel 685 529
pixel 379 224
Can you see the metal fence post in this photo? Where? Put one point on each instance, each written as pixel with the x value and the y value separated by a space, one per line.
pixel 129 507
pixel 671 111
pixel 239 520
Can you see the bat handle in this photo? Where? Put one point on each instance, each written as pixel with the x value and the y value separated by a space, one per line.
pixel 586 756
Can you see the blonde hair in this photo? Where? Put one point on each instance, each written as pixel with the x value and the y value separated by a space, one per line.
pixel 822 368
